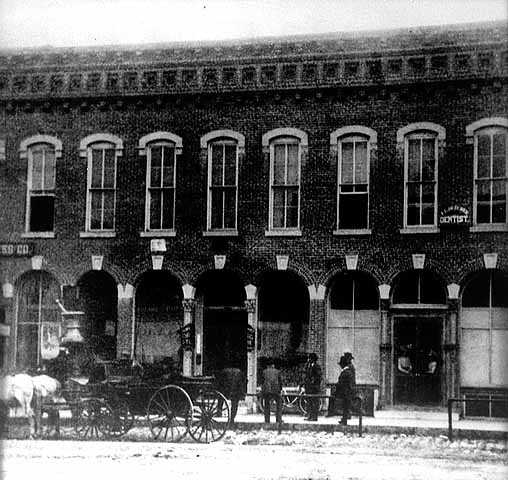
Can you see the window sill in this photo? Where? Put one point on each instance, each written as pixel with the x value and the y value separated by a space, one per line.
pixel 5 330
pixel 220 233
pixel 97 234
pixel 494 227
pixel 156 234
pixel 283 233
pixel 352 231
pixel 38 235
pixel 410 230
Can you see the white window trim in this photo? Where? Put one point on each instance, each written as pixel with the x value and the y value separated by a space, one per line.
pixel 207 141
pixel 145 149
pixel 485 124
pixel 278 231
pixel 403 135
pixel 24 154
pixel 85 149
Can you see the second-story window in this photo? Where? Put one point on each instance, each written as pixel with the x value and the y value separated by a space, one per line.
pixel 222 184
pixel 161 181
pixel 101 187
pixel 41 188
pixel 285 184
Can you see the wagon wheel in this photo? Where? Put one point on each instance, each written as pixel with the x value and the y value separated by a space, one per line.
pixel 168 413
pixel 210 418
pixel 92 417
pixel 303 404
pixel 120 421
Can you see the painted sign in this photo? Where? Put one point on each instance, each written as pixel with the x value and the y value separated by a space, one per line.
pixel 16 249
pixel 454 216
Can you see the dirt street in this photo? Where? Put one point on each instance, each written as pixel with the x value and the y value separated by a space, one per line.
pixel 260 455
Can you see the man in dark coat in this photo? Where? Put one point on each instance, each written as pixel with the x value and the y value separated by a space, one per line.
pixel 312 384
pixel 270 390
pixel 232 384
pixel 345 388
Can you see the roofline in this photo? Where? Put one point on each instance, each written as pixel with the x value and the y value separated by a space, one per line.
pixel 344 35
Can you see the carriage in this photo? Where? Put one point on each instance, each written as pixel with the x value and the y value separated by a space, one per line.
pixel 172 406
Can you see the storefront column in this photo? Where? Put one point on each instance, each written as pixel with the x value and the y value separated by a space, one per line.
pixel 385 350
pixel 7 336
pixel 125 340
pixel 252 342
pixel 188 332
pixel 317 323
pixel 450 378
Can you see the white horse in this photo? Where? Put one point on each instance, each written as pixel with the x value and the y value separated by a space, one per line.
pixel 23 390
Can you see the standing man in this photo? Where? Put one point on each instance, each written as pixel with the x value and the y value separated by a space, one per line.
pixel 345 388
pixel 270 390
pixel 312 384
pixel 232 384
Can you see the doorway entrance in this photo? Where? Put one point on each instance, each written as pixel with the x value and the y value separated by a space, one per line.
pixel 417 359
pixel 225 339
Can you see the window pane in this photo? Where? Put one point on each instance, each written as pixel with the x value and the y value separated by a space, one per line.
pixel 499 158
pixel 353 211
pixel 499 289
pixel 347 162
pixel 37 159
pixel 230 167
pixel 96 211
pixel 168 168
pixel 292 208
pixel 230 208
pixel 428 159
pixel 293 164
pixel 49 170
pixel 155 209
pixel 278 208
pixel 476 293
pixel 499 201
pixel 413 168
pixel 41 213
pixel 217 154
pixel 109 168
pixel 109 211
pixel 96 168
pixel 341 295
pixel 216 208
pixel 483 156
pixel 483 202
pixel 168 197
pixel 413 214
pixel 279 165
pixel 361 162
pixel 155 166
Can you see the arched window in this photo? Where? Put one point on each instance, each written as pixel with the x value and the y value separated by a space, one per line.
pixel 285 147
pixel 484 322
pixel 354 146
pixel 422 145
pixel 418 287
pixel 102 152
pixel 161 150
pixel 42 152
pixel 223 149
pixel 489 137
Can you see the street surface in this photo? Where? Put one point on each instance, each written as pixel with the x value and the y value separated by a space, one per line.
pixel 259 455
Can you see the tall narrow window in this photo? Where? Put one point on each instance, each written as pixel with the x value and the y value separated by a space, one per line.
pixel 222 185
pixel 101 187
pixel 285 184
pixel 421 179
pixel 161 181
pixel 353 173
pixel 41 188
pixel 490 173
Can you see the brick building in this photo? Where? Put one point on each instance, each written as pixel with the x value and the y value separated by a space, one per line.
pixel 236 201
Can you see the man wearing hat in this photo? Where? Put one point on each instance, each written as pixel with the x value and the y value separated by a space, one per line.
pixel 346 385
pixel 312 384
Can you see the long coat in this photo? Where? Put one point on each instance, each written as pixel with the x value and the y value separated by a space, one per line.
pixel 346 384
pixel 232 383
pixel 272 381
pixel 313 377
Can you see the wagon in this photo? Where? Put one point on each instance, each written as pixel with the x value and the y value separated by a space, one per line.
pixel 171 407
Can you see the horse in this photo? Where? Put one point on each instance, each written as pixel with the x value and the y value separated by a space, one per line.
pixel 27 391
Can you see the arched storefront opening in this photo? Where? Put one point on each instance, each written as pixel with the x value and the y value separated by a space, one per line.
pixel 221 322
pixel 353 325
pixel 283 326
pixel 159 315
pixel 97 297
pixel 484 332
pixel 38 329
pixel 418 312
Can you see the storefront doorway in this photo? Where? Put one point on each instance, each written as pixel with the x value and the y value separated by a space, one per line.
pixel 417 359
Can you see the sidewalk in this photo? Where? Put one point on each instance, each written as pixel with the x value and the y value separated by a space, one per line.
pixel 386 422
